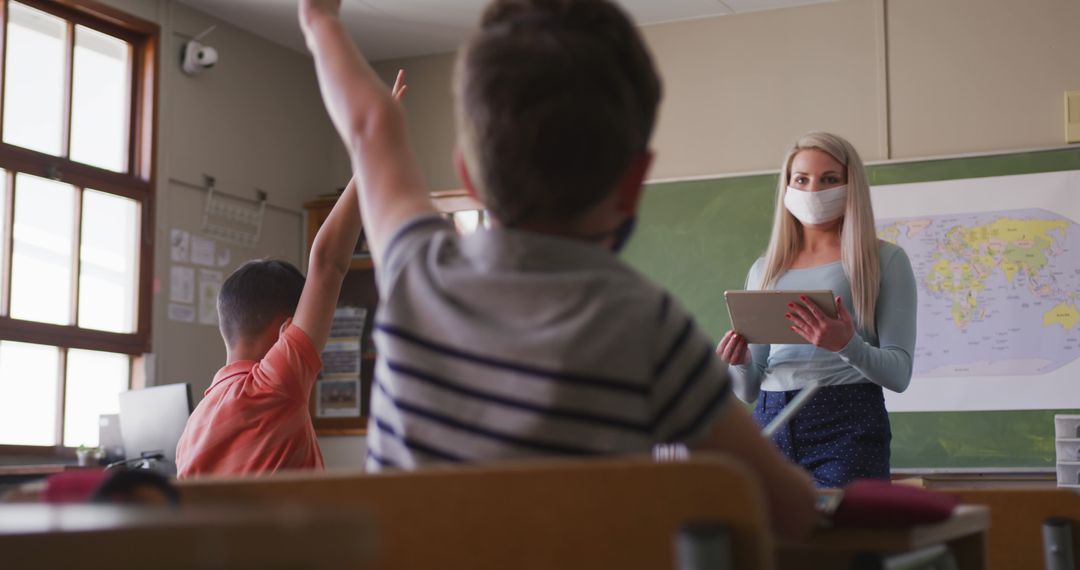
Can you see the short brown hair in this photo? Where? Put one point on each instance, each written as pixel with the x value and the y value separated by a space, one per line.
pixel 255 294
pixel 554 99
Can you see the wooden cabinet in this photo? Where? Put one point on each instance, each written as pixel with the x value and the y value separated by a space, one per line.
pixel 359 290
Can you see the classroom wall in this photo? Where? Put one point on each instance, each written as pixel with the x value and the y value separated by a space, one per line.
pixel 980 75
pixel 900 78
pixel 255 120
pixel 429 115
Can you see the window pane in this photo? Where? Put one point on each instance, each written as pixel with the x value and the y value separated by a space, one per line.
pixel 466 221
pixel 107 255
pixel 94 381
pixel 34 86
pixel 28 378
pixel 41 261
pixel 99 100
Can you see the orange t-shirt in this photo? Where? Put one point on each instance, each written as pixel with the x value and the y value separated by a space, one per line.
pixel 254 417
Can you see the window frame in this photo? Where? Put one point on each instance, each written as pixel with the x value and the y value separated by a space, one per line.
pixel 137 183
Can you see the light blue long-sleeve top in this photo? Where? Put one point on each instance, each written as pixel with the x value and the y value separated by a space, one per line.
pixel 884 357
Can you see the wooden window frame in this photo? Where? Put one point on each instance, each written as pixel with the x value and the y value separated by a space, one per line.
pixel 137 183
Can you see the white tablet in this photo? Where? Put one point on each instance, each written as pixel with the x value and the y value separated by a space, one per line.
pixel 759 315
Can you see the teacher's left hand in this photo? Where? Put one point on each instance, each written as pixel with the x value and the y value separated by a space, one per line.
pixel 818 328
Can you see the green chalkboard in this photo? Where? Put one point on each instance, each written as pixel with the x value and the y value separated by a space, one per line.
pixel 698 238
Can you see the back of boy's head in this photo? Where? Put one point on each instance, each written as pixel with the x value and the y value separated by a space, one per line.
pixel 257 293
pixel 554 100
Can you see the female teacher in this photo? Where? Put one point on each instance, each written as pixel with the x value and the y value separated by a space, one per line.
pixel 823 237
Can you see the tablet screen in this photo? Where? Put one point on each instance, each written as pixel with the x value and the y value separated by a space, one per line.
pixel 759 315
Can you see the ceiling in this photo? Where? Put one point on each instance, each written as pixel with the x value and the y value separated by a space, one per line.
pixel 387 29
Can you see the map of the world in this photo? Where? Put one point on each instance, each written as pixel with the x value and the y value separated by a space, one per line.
pixel 999 292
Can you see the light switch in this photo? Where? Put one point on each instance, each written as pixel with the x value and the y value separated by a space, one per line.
pixel 1072 116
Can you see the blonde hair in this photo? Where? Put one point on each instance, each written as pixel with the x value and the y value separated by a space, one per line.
pixel 858 237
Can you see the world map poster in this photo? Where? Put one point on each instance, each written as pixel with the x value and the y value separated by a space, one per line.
pixel 997 267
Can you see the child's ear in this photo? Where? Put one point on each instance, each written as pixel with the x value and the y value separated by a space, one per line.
pixel 633 182
pixel 463 174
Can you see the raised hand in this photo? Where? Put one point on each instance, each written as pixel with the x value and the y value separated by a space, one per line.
pixel 399 86
pixel 819 329
pixel 310 10
pixel 733 349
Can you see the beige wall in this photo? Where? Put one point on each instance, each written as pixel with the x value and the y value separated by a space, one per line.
pixel 253 121
pixel 740 89
pixel 430 115
pixel 980 75
pixel 956 76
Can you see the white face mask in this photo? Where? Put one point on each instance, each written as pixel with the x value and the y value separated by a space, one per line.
pixel 813 208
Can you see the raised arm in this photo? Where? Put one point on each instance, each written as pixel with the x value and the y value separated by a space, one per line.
pixel 327 266
pixel 370 123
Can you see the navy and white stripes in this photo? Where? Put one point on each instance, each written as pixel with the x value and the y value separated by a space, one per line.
pixel 509 345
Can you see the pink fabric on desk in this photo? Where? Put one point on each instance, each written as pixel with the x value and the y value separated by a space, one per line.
pixel 72 486
pixel 879 504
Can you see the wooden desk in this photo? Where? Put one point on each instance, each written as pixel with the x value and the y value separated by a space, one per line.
pixel 91 537
pixel 951 481
pixel 11 476
pixel 1015 537
pixel 33 470
pixel 964 533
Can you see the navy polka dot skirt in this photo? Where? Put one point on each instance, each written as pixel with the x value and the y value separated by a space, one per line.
pixel 840 435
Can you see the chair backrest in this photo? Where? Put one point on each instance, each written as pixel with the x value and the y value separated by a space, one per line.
pixel 603 513
pixel 124 537
pixel 1016 516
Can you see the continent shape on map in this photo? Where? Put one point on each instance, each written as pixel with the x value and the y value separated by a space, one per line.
pixel 999 292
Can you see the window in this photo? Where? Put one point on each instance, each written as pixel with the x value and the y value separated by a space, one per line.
pixel 462 210
pixel 76 215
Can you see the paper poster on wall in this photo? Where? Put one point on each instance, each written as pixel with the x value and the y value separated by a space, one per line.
pixel 181 313
pixel 337 398
pixel 224 256
pixel 202 251
pixel 179 245
pixel 182 284
pixel 209 287
pixel 341 355
pixel 997 271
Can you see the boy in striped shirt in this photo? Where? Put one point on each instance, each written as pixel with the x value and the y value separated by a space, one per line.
pixel 531 338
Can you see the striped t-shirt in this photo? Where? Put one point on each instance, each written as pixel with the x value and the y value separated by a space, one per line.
pixel 508 344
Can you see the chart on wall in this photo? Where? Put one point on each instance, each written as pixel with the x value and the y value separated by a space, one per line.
pixel 997 265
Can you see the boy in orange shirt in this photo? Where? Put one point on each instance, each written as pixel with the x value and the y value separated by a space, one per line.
pixel 254 417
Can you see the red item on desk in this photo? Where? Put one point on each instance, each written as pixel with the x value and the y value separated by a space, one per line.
pixel 73 486
pixel 879 504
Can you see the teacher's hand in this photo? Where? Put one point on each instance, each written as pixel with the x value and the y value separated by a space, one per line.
pixel 820 329
pixel 732 349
